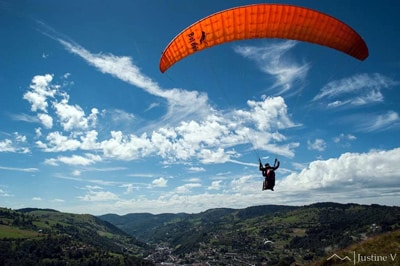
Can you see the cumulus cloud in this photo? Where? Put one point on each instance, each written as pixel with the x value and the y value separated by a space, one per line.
pixel 46 120
pixel 215 185
pixel 187 188
pixel 7 146
pixel 350 171
pixel 344 137
pixel 40 90
pixel 210 139
pixel 125 147
pixel 16 145
pixel 57 142
pixel 352 177
pixel 97 194
pixel 317 144
pixel 71 116
pixel 160 182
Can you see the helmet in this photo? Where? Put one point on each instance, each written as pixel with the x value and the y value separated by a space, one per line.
pixel 267 165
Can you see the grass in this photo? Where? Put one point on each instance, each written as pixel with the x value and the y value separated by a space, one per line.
pixel 384 245
pixel 12 232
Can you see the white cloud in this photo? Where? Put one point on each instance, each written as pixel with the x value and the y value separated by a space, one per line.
pixel 15 146
pixel 152 106
pixel 213 156
pixel 56 142
pixel 272 61
pixel 360 89
pixel 270 114
pixel 7 146
pixel 209 139
pixel 29 170
pixel 348 173
pixel 72 117
pixel 215 185
pixel 344 137
pixel 40 91
pixel 76 173
pixel 98 195
pixel 187 188
pixel 58 200
pixel 194 169
pixel 379 122
pixel 25 118
pixel 317 144
pixel 38 132
pixel 159 182
pixel 129 188
pixel 89 141
pixel 181 103
pixel 119 116
pixel 125 147
pixel 46 120
pixel 74 160
pixel 190 129
pixel 353 177
pixel 4 193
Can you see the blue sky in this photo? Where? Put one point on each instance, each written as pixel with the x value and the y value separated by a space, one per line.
pixel 90 125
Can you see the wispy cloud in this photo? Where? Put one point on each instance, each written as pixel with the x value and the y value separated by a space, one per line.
pixel 30 170
pixel 272 60
pixel 4 193
pixel 379 122
pixel 360 89
pixel 181 103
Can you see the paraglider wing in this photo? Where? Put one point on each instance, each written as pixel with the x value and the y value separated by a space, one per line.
pixel 264 21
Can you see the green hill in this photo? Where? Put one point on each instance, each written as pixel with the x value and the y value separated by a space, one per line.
pixel 259 235
pixel 48 237
pixel 382 249
pixel 270 235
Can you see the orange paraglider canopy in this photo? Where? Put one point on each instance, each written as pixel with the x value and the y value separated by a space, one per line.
pixel 264 21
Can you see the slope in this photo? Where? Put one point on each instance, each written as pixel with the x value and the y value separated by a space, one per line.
pixel 42 236
pixel 262 234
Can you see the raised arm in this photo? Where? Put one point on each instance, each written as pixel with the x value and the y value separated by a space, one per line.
pixel 276 164
pixel 261 168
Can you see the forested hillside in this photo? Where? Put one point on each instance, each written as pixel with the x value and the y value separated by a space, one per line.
pixel 48 237
pixel 272 235
pixel 259 235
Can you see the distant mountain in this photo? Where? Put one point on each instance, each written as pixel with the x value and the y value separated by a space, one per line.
pixel 34 236
pixel 270 234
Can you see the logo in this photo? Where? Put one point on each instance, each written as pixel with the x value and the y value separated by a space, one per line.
pixel 336 256
pixel 360 258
